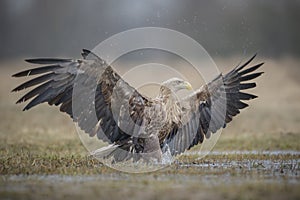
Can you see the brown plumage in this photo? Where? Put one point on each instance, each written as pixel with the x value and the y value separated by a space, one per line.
pixel 136 126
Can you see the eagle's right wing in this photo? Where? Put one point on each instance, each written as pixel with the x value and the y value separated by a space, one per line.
pixel 212 107
pixel 100 94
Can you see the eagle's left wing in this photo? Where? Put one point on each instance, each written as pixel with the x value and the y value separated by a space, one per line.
pixel 88 90
pixel 212 106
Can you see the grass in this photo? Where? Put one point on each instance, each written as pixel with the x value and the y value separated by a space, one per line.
pixel 69 157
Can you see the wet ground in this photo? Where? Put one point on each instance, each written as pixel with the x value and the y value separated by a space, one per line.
pixel 218 176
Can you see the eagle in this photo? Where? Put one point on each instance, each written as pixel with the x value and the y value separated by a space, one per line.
pixel 135 126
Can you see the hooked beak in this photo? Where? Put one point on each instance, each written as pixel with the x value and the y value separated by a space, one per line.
pixel 188 86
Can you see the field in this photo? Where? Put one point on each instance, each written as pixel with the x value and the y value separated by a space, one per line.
pixel 256 157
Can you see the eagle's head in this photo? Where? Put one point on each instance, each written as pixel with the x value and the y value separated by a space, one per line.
pixel 176 84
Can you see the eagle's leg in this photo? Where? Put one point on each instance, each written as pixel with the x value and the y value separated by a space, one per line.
pixel 152 152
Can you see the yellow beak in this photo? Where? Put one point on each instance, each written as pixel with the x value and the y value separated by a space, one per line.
pixel 188 86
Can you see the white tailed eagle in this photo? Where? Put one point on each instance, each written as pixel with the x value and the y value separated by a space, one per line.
pixel 138 125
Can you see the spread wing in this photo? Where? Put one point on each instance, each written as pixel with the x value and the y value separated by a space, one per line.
pixel 213 106
pixel 88 90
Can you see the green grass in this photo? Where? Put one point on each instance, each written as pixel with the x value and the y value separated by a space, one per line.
pixel 70 157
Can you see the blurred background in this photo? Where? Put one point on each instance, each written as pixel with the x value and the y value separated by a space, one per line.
pixel 62 28
pixel 231 32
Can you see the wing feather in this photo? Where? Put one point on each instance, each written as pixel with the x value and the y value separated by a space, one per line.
pixel 55 85
pixel 214 105
pixel 35 71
